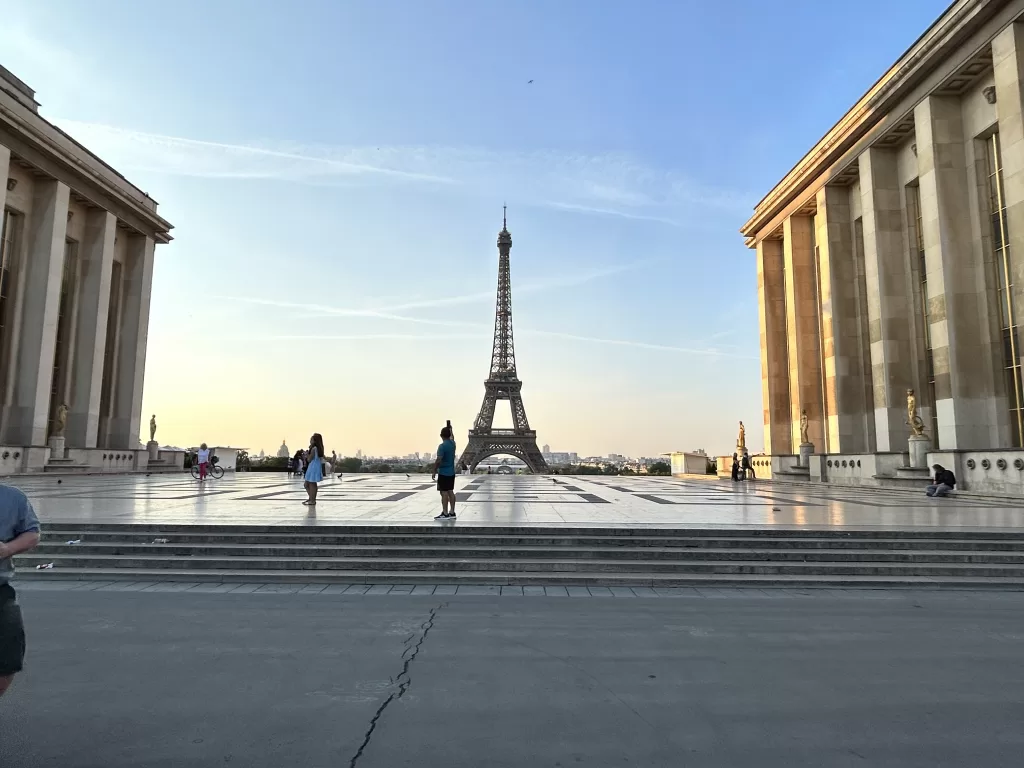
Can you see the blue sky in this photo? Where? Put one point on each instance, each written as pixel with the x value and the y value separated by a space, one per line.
pixel 335 172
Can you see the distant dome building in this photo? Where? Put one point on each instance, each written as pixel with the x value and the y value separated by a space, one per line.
pixel 283 452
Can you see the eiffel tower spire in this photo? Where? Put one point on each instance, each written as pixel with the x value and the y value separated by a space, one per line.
pixel 503 382
pixel 503 353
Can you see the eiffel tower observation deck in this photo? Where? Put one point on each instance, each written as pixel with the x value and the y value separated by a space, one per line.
pixel 503 383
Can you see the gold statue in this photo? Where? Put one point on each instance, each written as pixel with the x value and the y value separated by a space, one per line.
pixel 152 429
pixel 803 427
pixel 741 440
pixel 913 420
pixel 61 420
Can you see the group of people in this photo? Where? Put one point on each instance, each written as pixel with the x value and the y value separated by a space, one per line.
pixel 19 527
pixel 313 467
pixel 742 466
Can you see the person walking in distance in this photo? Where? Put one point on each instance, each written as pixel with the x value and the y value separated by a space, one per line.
pixel 203 457
pixel 315 470
pixel 19 532
pixel 444 473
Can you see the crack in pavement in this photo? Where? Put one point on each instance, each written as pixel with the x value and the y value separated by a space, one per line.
pixel 412 650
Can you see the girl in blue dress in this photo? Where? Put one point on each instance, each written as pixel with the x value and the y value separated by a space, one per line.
pixel 315 470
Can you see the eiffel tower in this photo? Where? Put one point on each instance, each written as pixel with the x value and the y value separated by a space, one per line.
pixel 503 384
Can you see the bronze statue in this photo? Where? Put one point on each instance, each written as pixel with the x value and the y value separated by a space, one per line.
pixel 741 440
pixel 803 427
pixel 61 420
pixel 152 429
pixel 913 420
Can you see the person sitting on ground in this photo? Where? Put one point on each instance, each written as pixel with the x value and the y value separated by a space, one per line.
pixel 944 482
pixel 298 463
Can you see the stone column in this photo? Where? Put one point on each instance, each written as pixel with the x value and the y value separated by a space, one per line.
pixel 890 299
pixel 849 417
pixel 1008 65
pixel 957 294
pixel 26 417
pixel 7 374
pixel 802 330
pixel 5 164
pixel 96 256
pixel 771 305
pixel 131 361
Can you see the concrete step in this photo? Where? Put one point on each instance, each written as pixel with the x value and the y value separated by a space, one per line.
pixel 539 553
pixel 655 580
pixel 460 551
pixel 444 539
pixel 515 536
pixel 593 565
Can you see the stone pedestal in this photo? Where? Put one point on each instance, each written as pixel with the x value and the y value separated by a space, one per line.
pixel 806 451
pixel 919 446
pixel 153 447
pixel 56 448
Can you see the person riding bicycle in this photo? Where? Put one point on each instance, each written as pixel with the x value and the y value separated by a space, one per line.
pixel 203 458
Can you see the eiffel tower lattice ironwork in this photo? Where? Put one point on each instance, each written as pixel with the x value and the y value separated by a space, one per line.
pixel 503 384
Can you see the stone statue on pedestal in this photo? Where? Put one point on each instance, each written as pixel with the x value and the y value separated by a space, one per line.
pixel 152 429
pixel 913 420
pixel 741 440
pixel 803 427
pixel 61 421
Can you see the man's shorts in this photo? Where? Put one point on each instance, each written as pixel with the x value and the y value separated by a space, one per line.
pixel 12 633
pixel 446 483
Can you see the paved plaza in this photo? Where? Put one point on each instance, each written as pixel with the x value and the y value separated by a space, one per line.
pixel 493 500
pixel 728 678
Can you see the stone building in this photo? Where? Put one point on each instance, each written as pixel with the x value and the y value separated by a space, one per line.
pixel 76 265
pixel 891 257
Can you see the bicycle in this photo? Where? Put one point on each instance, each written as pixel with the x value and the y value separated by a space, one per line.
pixel 212 471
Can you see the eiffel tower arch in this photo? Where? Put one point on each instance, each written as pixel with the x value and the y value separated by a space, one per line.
pixel 503 384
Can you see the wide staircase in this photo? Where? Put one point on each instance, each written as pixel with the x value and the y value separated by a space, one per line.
pixel 457 554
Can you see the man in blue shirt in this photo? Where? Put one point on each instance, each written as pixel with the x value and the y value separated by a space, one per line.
pixel 19 532
pixel 444 473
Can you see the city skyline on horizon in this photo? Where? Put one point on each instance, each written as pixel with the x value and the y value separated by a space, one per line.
pixel 333 267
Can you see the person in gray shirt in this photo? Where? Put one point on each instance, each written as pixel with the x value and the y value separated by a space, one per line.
pixel 19 532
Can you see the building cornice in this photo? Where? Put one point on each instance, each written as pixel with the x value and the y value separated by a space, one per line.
pixel 51 150
pixel 959 21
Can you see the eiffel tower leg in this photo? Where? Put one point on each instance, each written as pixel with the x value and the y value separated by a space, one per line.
pixel 485 418
pixel 519 420
pixel 473 452
pixel 535 459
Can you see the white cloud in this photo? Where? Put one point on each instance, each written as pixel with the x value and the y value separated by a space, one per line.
pixel 388 310
pixel 389 315
pixel 693 350
pixel 369 337
pixel 322 311
pixel 604 184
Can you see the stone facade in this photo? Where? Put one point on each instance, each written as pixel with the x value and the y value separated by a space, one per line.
pixel 77 245
pixel 892 258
